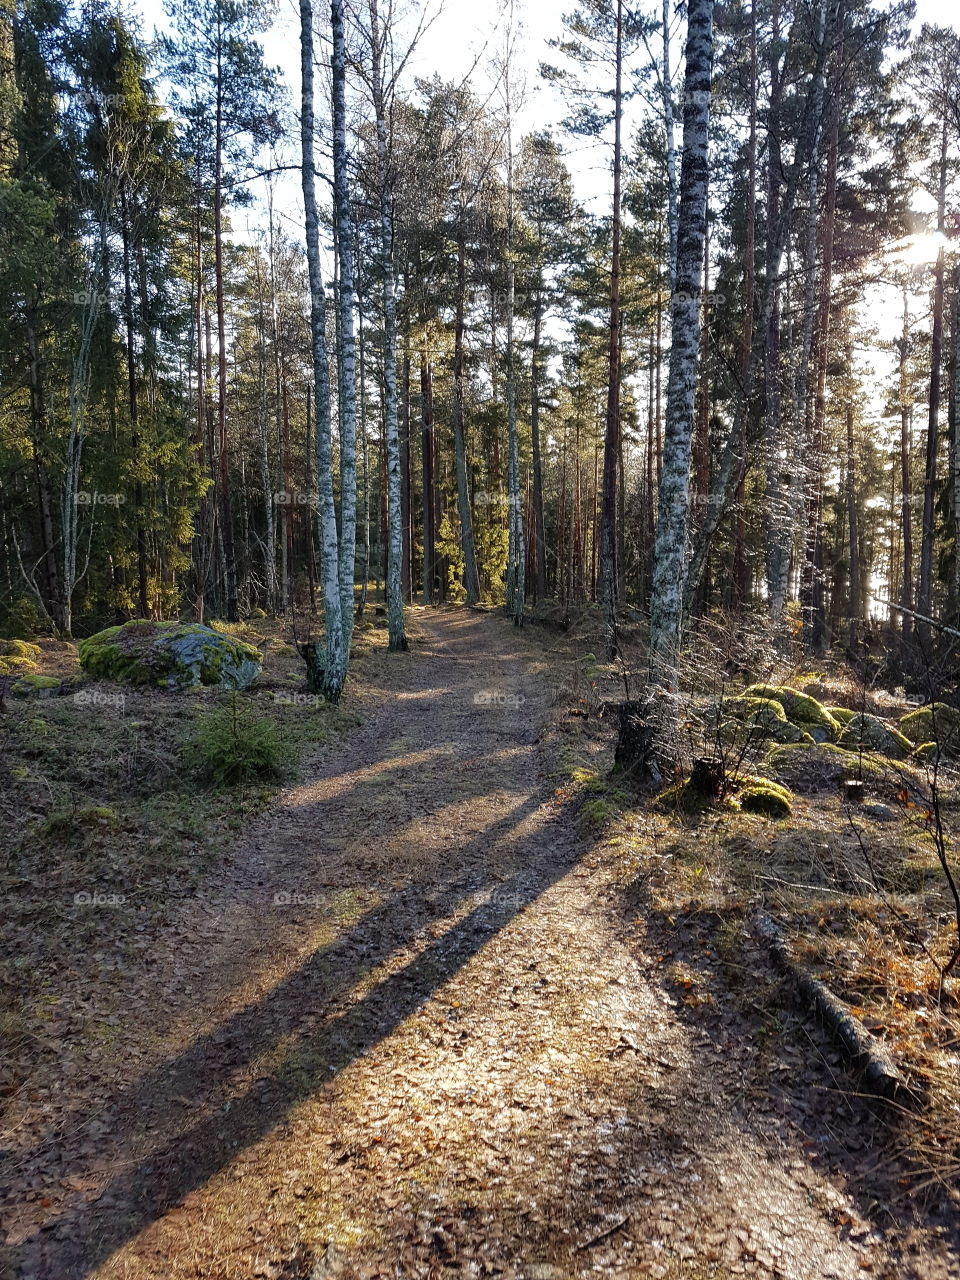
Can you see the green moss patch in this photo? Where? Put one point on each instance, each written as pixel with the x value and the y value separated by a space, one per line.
pixel 764 797
pixel 18 656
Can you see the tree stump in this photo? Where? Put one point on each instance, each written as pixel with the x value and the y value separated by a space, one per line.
pixel 707 779
pixel 853 791
pixel 635 737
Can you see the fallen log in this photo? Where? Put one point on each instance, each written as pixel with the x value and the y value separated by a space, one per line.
pixel 865 1054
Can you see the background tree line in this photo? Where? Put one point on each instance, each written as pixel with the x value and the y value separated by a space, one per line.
pixel 695 398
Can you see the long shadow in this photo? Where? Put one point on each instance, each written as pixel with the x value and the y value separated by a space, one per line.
pixel 74 1243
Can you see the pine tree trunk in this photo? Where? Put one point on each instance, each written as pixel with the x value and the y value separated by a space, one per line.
pixel 471 581
pixel 429 500
pixel 855 589
pixel 925 589
pixel 539 535
pixel 611 450
pixel 223 452
pixel 395 615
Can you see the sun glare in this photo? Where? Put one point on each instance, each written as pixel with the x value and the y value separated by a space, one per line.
pixel 922 247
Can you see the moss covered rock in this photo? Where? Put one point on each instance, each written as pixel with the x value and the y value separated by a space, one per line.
pixel 17 656
pixel 926 752
pixel 936 722
pixel 171 655
pixel 869 733
pixel 842 715
pixel 762 796
pixel 823 766
pixel 34 686
pixel 799 708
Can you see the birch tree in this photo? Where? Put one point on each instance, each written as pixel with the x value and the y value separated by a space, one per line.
pixel 331 672
pixel 346 302
pixel 670 547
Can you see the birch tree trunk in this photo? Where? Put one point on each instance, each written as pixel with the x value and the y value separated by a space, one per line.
pixel 347 352
pixel 395 614
pixel 671 145
pixel 670 550
pixel 334 668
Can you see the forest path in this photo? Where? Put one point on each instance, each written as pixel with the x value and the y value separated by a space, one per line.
pixel 401 1034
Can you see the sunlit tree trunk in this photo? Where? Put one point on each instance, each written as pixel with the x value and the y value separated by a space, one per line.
pixel 347 352
pixel 335 665
pixel 670 551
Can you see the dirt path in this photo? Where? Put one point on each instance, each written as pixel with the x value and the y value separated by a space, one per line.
pixel 402 1034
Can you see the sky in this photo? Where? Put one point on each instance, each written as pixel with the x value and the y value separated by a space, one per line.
pixel 465 33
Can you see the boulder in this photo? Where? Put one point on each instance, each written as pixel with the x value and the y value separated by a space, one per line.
pixel 760 795
pixel 823 766
pixel 936 722
pixel 174 655
pixel 799 708
pixel 869 733
pixel 34 686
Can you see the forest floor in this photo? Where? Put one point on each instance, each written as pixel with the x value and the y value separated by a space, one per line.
pixel 412 1020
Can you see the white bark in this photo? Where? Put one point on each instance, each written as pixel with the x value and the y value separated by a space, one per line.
pixel 335 667
pixel 670 548
pixel 346 301
pixel 671 144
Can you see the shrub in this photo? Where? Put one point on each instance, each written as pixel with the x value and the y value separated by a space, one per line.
pixel 232 746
